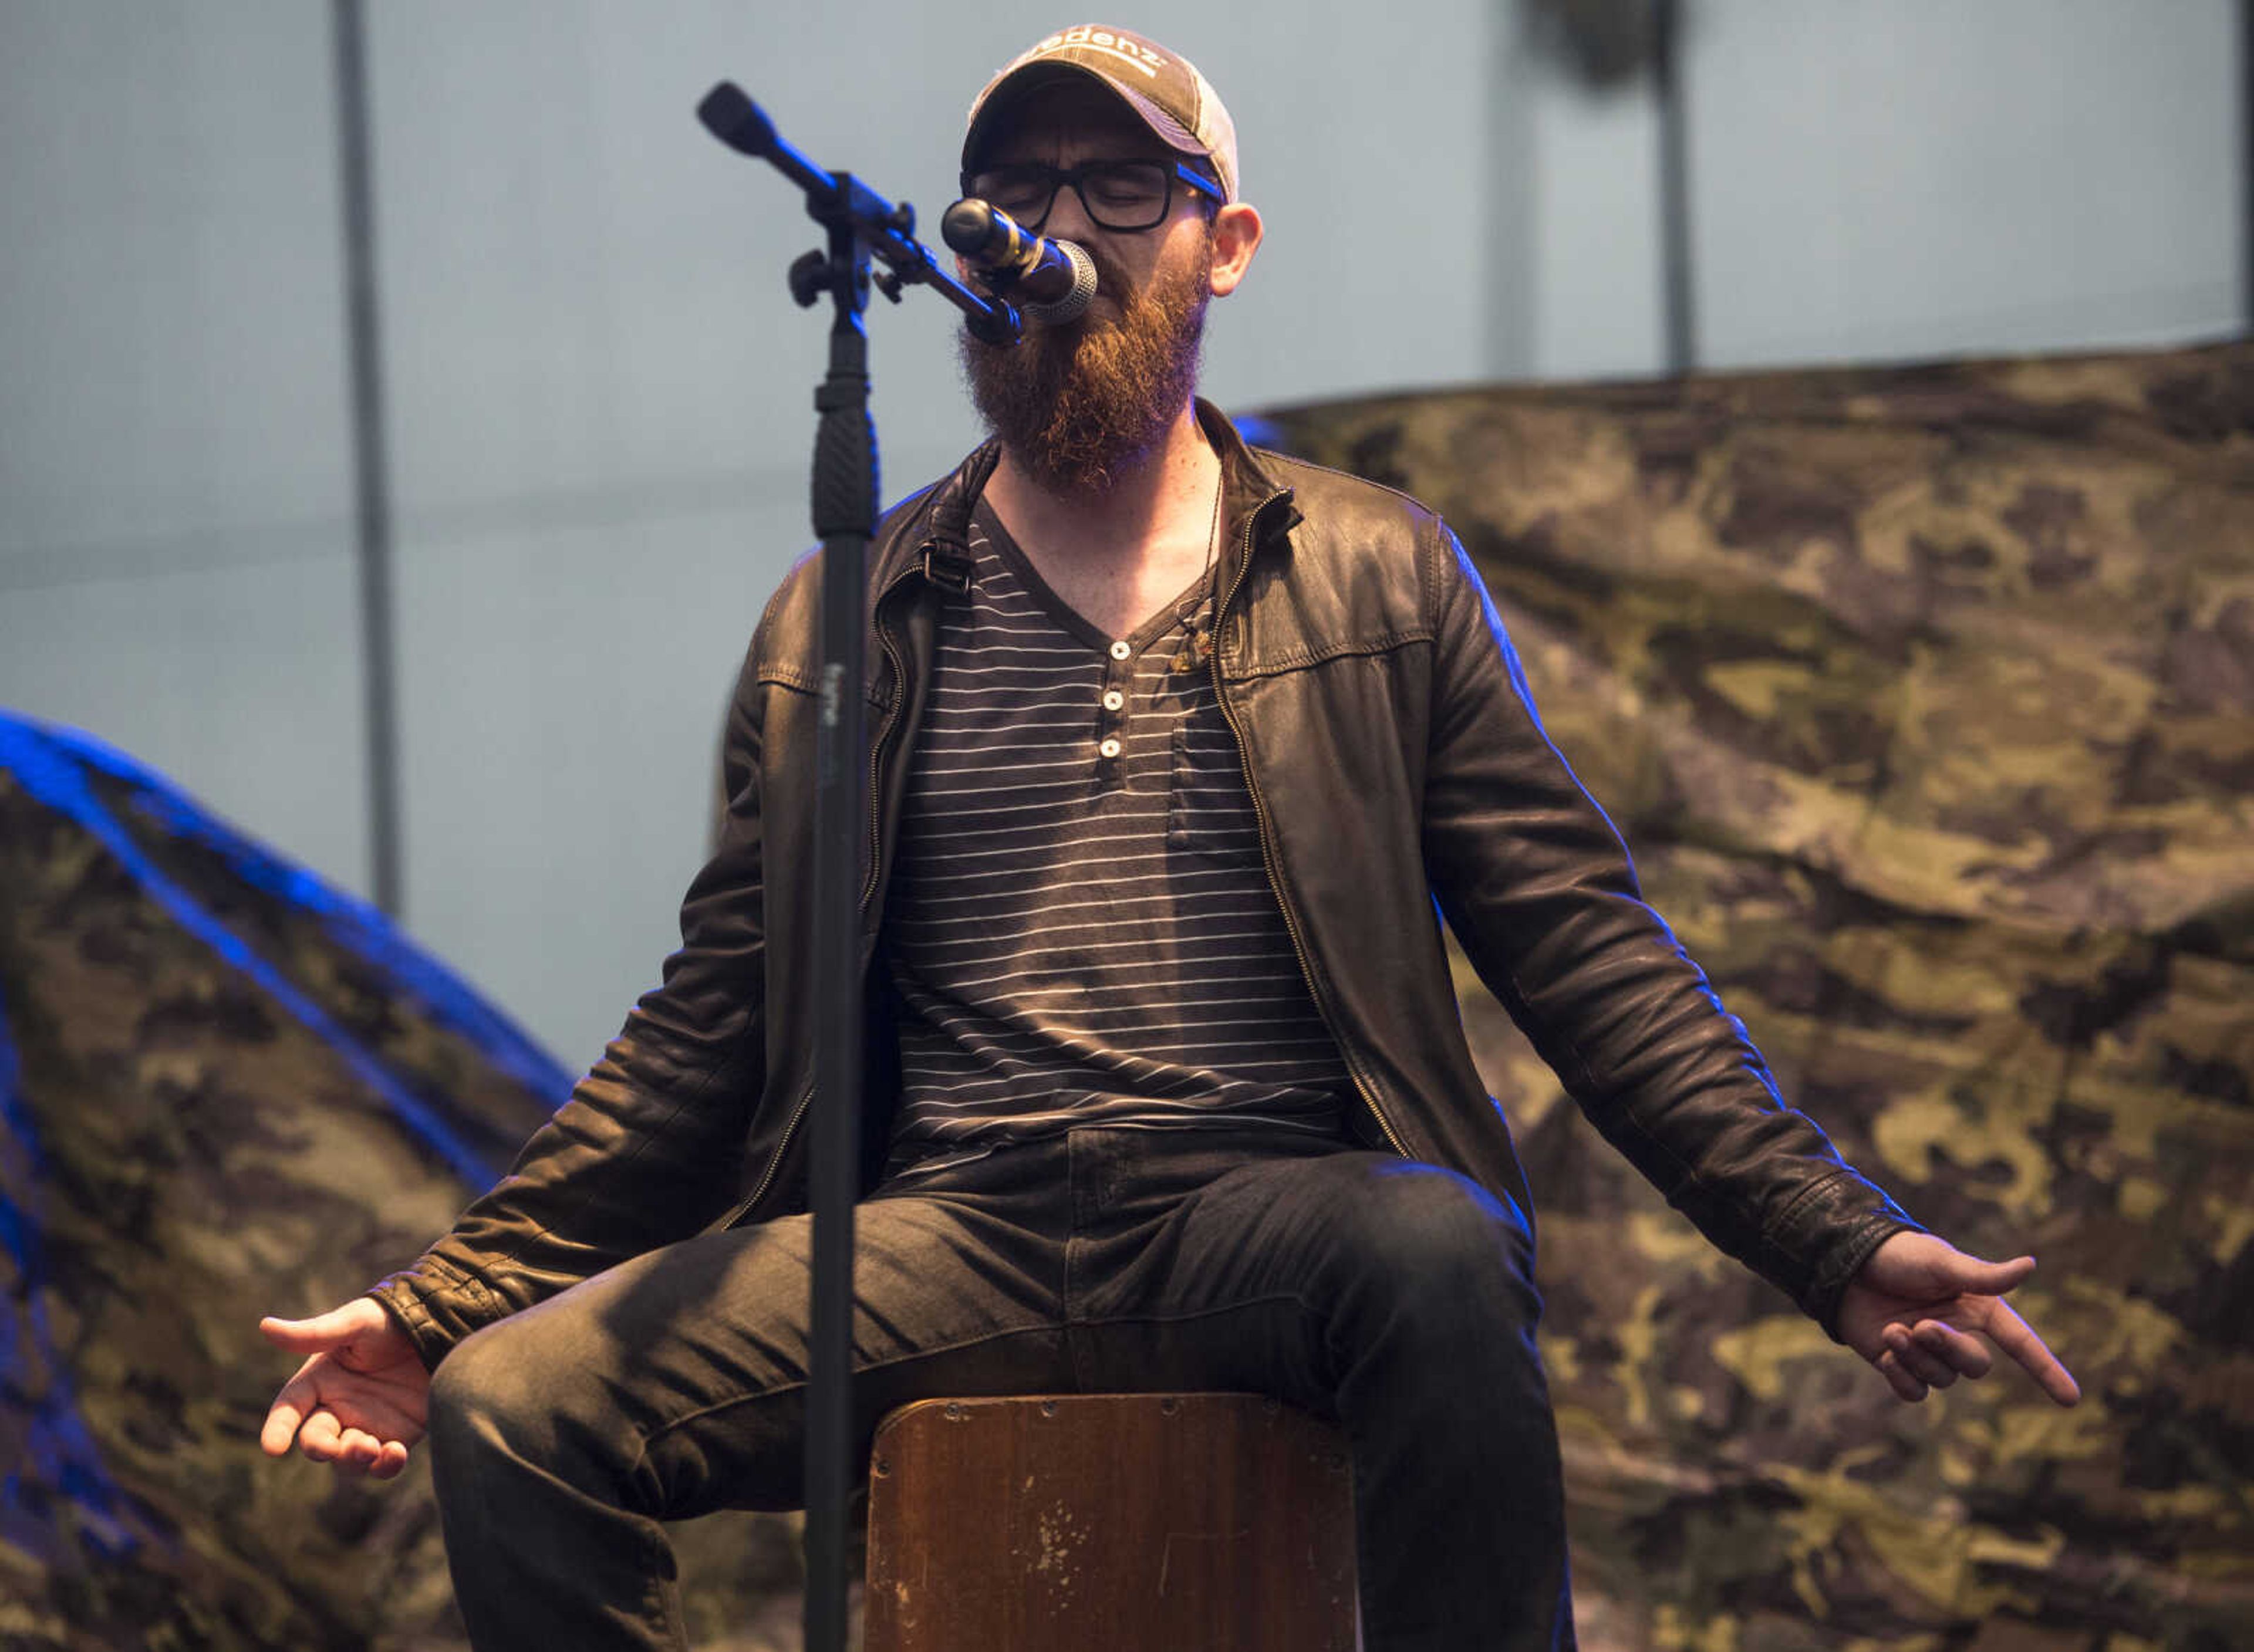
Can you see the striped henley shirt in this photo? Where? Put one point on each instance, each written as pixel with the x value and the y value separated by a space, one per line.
pixel 1081 929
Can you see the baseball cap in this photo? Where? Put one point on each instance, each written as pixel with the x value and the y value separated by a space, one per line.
pixel 1163 88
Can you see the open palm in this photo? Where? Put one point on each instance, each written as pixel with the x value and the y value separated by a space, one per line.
pixel 1919 1307
pixel 359 1401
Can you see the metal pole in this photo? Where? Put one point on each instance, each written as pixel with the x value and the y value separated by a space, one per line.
pixel 845 515
pixel 2246 165
pixel 1679 290
pixel 371 474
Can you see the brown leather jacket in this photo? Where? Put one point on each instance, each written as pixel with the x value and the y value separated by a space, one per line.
pixel 1394 756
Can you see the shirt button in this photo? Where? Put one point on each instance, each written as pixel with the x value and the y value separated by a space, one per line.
pixel 1109 748
pixel 1113 699
pixel 1120 651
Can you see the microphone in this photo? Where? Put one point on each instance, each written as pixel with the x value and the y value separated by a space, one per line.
pixel 1051 281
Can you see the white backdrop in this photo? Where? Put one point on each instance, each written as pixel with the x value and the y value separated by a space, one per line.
pixel 599 395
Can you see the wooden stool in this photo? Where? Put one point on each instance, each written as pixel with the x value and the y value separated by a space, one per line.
pixel 1109 1523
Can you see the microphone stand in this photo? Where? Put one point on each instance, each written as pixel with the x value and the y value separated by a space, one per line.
pixel 862 225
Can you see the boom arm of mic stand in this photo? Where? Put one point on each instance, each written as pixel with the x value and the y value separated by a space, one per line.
pixel 889 231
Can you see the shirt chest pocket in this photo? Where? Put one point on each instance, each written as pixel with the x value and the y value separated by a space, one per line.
pixel 1208 810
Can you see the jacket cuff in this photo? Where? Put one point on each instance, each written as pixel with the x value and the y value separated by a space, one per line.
pixel 1833 1230
pixel 436 1305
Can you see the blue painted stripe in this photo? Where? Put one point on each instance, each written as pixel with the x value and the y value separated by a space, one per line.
pixel 47 762
pixel 59 1455
pixel 355 924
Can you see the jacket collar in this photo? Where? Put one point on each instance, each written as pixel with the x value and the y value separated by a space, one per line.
pixel 1252 501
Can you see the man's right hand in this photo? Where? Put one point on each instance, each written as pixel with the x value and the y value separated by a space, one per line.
pixel 359 1401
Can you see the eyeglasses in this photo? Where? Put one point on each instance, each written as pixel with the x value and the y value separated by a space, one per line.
pixel 1121 195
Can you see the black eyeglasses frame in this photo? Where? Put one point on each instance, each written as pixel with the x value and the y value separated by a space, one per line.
pixel 1061 178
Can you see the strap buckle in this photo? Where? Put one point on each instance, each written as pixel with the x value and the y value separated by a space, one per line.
pixel 946 568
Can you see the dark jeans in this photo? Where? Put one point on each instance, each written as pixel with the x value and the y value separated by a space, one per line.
pixel 1393 1296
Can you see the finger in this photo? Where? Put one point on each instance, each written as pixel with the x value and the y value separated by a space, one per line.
pixel 391 1462
pixel 294 1334
pixel 317 1436
pixel 296 1401
pixel 1917 1360
pixel 1965 1273
pixel 281 1429
pixel 2017 1337
pixel 387 1422
pixel 358 1446
pixel 1904 1385
pixel 1931 1372
pixel 1962 1353
pixel 322 1331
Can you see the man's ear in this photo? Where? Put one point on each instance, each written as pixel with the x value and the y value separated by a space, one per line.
pixel 1236 232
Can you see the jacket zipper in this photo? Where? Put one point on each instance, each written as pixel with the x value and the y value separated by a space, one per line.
pixel 742 1206
pixel 1368 1091
pixel 877 756
pixel 868 888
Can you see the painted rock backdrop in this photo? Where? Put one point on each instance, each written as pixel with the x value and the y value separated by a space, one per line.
pixel 1925 698
pixel 227 1090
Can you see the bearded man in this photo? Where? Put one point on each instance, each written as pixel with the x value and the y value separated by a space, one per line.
pixel 1176 744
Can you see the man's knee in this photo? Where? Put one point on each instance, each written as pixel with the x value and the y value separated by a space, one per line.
pixel 481 1385
pixel 522 1394
pixel 1434 1243
pixel 533 1383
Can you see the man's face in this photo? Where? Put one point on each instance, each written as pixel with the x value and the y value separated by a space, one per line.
pixel 1076 404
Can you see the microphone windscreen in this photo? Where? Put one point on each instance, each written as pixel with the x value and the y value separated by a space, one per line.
pixel 735 120
pixel 1069 305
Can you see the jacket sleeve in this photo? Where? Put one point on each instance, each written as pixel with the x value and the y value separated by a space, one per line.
pixel 1539 889
pixel 649 1147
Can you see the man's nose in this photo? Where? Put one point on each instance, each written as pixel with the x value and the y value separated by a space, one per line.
pixel 1068 219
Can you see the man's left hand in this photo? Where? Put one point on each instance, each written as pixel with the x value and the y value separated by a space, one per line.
pixel 1913 1308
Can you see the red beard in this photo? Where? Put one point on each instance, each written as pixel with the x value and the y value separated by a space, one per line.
pixel 1082 405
